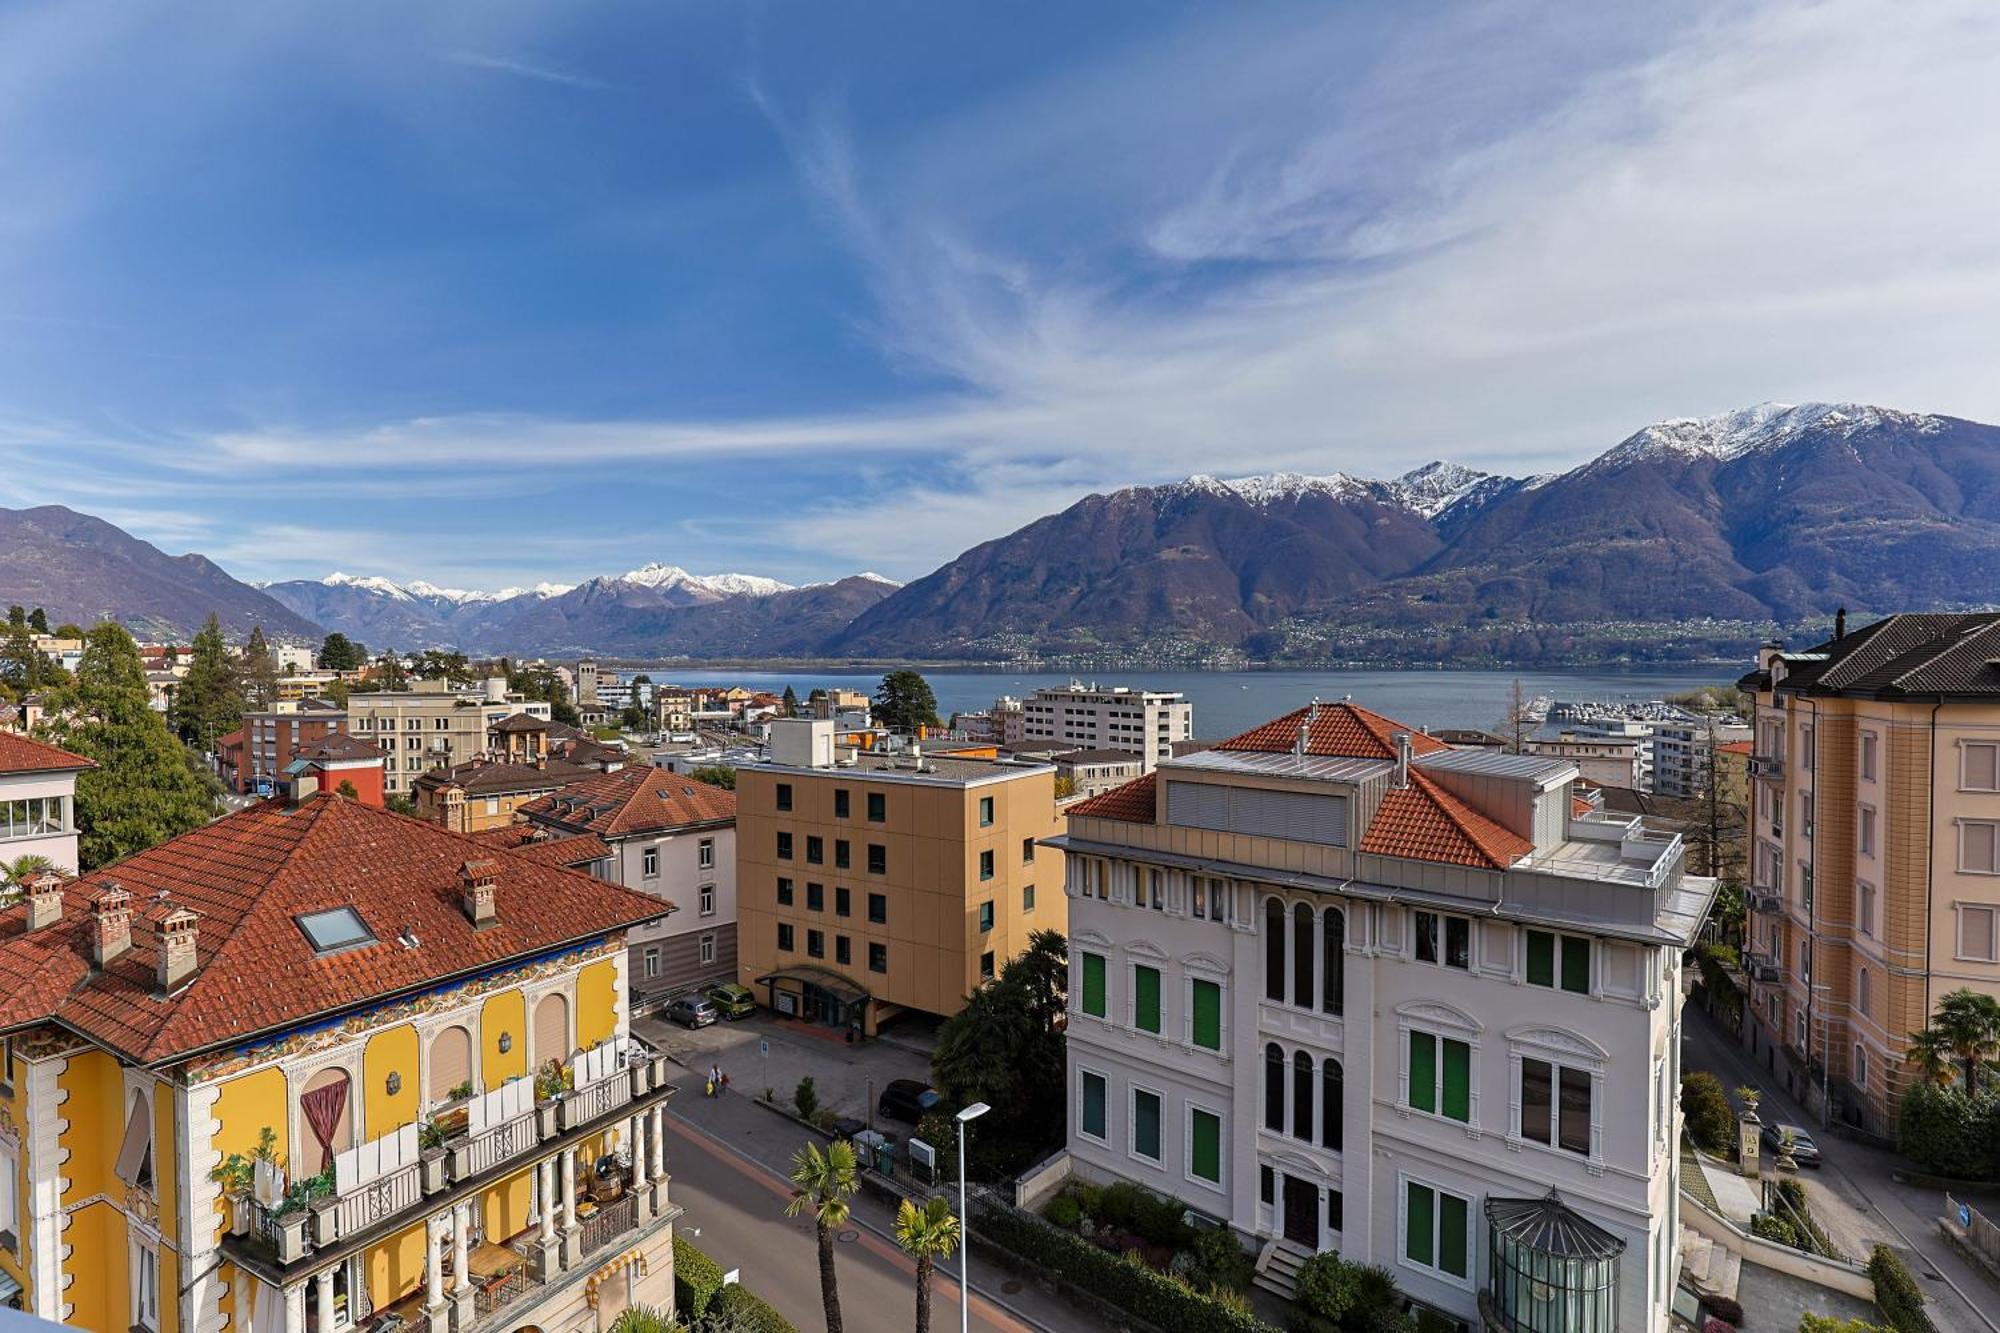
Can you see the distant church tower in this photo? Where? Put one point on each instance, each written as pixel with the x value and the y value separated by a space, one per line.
pixel 586 683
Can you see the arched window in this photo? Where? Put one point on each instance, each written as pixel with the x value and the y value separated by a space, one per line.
pixel 1333 964
pixel 1332 1104
pixel 1302 1096
pixel 1274 949
pixel 327 1109
pixel 1302 956
pixel 551 1029
pixel 451 1063
pixel 1274 1088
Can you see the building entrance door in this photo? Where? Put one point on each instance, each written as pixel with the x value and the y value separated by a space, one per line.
pixel 1302 1212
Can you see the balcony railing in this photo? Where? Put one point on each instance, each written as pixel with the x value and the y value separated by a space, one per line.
pixel 1769 767
pixel 378 1200
pixel 483 1152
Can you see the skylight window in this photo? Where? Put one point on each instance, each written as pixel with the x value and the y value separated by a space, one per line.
pixel 335 929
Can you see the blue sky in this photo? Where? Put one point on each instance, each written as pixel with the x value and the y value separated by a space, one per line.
pixel 494 293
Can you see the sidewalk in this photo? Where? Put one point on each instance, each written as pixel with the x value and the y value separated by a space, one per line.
pixel 846 1078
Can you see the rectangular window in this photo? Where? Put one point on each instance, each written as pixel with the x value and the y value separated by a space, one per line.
pixel 1864 910
pixel 145 1285
pixel 1440 1076
pixel 843 902
pixel 1976 936
pixel 986 966
pixel 878 807
pixel 784 937
pixel 1982 766
pixel 986 916
pixel 1093 985
pixel 1576 965
pixel 784 892
pixel 878 859
pixel 1538 1100
pixel 878 908
pixel 1435 1230
pixel 815 944
pixel 986 865
pixel 705 855
pixel 840 802
pixel 1091 1125
pixel 1146 1124
pixel 1868 745
pixel 1205 1146
pixel 1146 998
pixel 815 897
pixel 1205 1010
pixel 1864 833
pixel 1445 941
pixel 784 846
pixel 842 854
pixel 650 862
pixel 986 812
pixel 878 957
pixel 815 850
pixel 653 961
pixel 1978 847
pixel 1027 851
pixel 706 900
pixel 707 950
pixel 1555 1105
pixel 784 795
pixel 843 950
pixel 1027 897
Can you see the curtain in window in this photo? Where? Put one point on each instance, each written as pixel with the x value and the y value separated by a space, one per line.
pixel 322 1108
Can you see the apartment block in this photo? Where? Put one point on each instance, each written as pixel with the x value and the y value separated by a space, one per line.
pixel 433 725
pixel 1145 722
pixel 1874 850
pixel 1341 987
pixel 38 801
pixel 228 1058
pixel 270 741
pixel 869 884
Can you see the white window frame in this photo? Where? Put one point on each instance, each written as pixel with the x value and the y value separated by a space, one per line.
pixel 10 1215
pixel 707 946
pixel 705 900
pixel 1864 830
pixel 1864 901
pixel 705 854
pixel 144 1283
pixel 649 862
pixel 1442 1023
pixel 651 959
pixel 1965 749
pixel 1993 828
pixel 1132 1091
pixel 1870 747
pixel 1102 1140
pixel 1153 965
pixel 1443 940
pixel 1992 915
pixel 1188 1109
pixel 1190 974
pixel 1435 1272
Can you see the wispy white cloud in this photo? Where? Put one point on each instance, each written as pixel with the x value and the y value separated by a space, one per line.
pixel 522 69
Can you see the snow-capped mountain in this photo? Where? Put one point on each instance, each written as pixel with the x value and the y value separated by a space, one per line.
pixel 1436 487
pixel 657 575
pixel 1730 435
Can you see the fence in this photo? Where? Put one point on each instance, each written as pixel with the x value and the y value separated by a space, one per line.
pixel 1980 1232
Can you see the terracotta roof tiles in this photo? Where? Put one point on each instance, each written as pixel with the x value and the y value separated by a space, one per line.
pixel 1132 801
pixel 1424 822
pixel 1345 730
pixel 633 800
pixel 19 754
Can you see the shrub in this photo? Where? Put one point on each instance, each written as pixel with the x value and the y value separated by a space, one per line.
pixel 1119 1205
pixel 1218 1260
pixel 1826 1323
pixel 1728 1311
pixel 1063 1212
pixel 1153 1297
pixel 1897 1296
pixel 806 1098
pixel 745 1312
pixel 1162 1221
pixel 1710 1122
pixel 1090 1198
pixel 1336 1295
pixel 1773 1227
pixel 1947 1132
pixel 696 1279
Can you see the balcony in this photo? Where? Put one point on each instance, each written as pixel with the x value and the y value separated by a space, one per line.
pixel 378 1183
pixel 1763 968
pixel 1767 904
pixel 1768 767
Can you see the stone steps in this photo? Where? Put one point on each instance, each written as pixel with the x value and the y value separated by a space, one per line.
pixel 1278 1268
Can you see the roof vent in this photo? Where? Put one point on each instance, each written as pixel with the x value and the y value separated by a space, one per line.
pixel 110 923
pixel 476 879
pixel 44 892
pixel 1402 743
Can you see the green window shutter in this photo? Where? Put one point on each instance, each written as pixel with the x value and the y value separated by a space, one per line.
pixel 1093 984
pixel 1451 1234
pixel 1093 1105
pixel 1458 1080
pixel 1423 1072
pixel 1417 1225
pixel 1208 1015
pixel 1146 1125
pixel 1576 965
pixel 1146 998
pixel 1206 1133
pixel 1541 958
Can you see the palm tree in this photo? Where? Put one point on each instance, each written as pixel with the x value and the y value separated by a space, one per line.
pixel 822 1184
pixel 643 1319
pixel 1928 1051
pixel 926 1234
pixel 1968 1024
pixel 14 875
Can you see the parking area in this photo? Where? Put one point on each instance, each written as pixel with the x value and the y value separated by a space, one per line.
pixel 761 1052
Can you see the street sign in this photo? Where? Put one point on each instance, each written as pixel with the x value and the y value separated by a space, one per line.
pixel 763 1045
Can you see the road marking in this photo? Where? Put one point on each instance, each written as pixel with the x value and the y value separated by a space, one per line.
pixel 943 1293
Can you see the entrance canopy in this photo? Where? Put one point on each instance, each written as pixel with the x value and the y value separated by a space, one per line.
pixel 817 995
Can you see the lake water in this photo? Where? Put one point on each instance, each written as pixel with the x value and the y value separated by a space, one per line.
pixel 1228 702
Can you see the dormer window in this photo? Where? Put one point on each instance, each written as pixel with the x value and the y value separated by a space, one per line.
pixel 335 930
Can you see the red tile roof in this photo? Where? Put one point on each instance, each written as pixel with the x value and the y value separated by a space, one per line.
pixel 544 844
pixel 18 754
pixel 1342 729
pixel 1736 747
pixel 1132 801
pixel 248 876
pixel 1424 822
pixel 633 800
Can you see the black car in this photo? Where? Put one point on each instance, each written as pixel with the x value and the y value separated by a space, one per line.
pixel 907 1099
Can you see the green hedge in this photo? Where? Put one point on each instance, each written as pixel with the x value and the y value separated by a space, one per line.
pixel 1897 1295
pixel 1949 1133
pixel 746 1311
pixel 1133 1288
pixel 696 1280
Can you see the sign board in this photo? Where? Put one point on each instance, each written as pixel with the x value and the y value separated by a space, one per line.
pixel 732 1277
pixel 923 1161
pixel 764 1046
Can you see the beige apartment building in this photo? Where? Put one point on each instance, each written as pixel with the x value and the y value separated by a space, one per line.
pixel 1874 850
pixel 868 884
pixel 433 725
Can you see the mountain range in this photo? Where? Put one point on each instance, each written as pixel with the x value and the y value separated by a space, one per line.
pixel 1691 537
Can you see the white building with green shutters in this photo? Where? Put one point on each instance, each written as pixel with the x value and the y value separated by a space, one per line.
pixel 1343 988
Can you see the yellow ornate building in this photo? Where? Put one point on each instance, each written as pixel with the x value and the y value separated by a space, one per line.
pixel 322 1067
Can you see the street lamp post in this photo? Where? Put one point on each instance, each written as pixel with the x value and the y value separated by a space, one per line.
pixel 965 1117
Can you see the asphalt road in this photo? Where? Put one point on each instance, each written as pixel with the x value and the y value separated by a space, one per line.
pixel 1867 1201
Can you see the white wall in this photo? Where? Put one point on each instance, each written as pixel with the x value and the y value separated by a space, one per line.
pixel 59 848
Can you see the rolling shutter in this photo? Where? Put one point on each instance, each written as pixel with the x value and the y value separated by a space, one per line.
pixel 551 1030
pixel 1417 1224
pixel 451 1061
pixel 1093 1105
pixel 1576 965
pixel 1451 1234
pixel 1541 958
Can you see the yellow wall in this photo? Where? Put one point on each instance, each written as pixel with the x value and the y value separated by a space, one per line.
pixel 596 1002
pixel 170 1285
pixel 391 1050
pixel 19 1269
pixel 503 1209
pixel 95 1111
pixel 506 1012
pixel 243 1106
pixel 166 1161
pixel 396 1267
pixel 97 1276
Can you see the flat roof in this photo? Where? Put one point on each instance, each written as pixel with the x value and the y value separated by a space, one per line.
pixel 1542 769
pixel 943 770
pixel 1265 763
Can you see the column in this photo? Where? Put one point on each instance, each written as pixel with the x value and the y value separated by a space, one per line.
pixel 635 1144
pixel 545 1180
pixel 433 1271
pixel 572 1240
pixel 658 1146
pixel 295 1308
pixel 322 1285
pixel 461 1223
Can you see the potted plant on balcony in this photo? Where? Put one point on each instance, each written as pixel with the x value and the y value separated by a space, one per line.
pixel 236 1175
pixel 551 1082
pixel 291 1215
pixel 431 1152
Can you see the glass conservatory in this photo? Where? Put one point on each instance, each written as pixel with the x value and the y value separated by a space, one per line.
pixel 1551 1270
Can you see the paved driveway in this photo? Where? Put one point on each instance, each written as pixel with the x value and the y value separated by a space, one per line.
pixel 847 1078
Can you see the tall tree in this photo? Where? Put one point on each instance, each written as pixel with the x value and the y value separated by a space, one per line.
pixel 1518 723
pixel 823 1183
pixel 208 702
pixel 905 702
pixel 926 1234
pixel 1967 1024
pixel 1005 1048
pixel 258 670
pixel 26 667
pixel 791 702
pixel 337 652
pixel 38 621
pixel 145 788
pixel 393 675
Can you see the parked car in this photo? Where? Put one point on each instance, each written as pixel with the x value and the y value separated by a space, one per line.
pixel 907 1099
pixel 1804 1151
pixel 694 1011
pixel 731 1000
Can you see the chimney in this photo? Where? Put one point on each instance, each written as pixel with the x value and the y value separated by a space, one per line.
pixel 476 890
pixel 1402 742
pixel 110 924
pixel 44 899
pixel 1840 624
pixel 176 931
